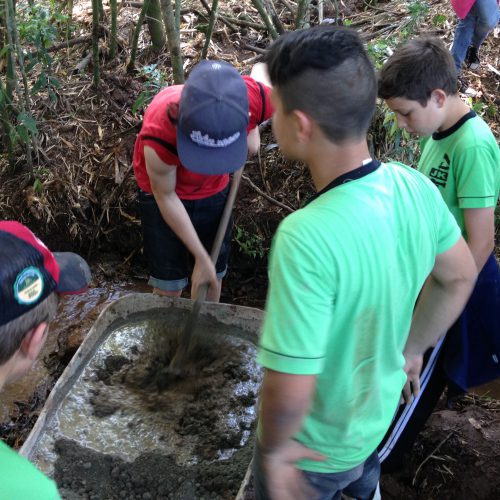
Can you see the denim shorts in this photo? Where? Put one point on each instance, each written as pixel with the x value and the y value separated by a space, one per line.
pixel 361 482
pixel 170 262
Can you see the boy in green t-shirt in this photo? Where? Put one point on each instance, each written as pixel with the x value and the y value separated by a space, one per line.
pixel 30 279
pixel 461 157
pixel 339 342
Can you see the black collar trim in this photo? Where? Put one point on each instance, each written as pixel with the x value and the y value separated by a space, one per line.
pixel 352 175
pixel 446 133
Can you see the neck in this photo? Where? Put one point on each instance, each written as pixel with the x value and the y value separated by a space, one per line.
pixel 328 161
pixel 456 108
pixel 3 377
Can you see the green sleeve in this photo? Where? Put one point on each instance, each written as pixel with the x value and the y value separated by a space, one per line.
pixel 476 176
pixel 299 307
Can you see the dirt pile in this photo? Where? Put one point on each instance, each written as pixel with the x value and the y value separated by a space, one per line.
pixel 82 473
pixel 190 436
pixel 456 456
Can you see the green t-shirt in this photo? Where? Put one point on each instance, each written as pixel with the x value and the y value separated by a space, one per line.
pixel 21 480
pixel 345 272
pixel 464 163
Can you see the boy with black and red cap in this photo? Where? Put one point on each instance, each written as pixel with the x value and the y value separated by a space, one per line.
pixel 193 136
pixel 31 277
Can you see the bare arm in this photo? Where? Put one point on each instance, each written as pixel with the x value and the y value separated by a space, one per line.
pixel 253 141
pixel 285 400
pixel 443 298
pixel 480 227
pixel 260 74
pixel 163 179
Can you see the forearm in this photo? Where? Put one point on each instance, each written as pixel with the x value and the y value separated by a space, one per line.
pixel 437 308
pixel 481 250
pixel 480 229
pixel 281 411
pixel 176 216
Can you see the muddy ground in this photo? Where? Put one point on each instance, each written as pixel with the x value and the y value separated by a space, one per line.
pixel 80 195
pixel 190 436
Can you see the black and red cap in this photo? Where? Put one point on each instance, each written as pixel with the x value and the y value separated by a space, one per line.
pixel 30 272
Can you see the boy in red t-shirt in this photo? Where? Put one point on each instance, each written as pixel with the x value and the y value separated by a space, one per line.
pixel 193 136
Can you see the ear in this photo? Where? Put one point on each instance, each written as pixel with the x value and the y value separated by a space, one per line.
pixel 304 125
pixel 33 342
pixel 439 97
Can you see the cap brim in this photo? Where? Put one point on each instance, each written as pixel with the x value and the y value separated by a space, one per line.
pixel 212 161
pixel 74 274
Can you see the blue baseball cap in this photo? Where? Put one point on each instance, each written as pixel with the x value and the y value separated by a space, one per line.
pixel 213 119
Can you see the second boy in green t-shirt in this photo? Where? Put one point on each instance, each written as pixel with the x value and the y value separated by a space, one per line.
pixel 461 157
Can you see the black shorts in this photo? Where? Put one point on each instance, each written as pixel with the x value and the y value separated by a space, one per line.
pixel 170 262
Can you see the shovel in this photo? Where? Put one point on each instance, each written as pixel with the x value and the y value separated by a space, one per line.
pixel 187 337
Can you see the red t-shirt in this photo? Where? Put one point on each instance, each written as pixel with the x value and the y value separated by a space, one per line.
pixel 160 134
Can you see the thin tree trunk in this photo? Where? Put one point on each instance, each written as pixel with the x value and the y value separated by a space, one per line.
pixel 11 82
pixel 210 29
pixel 155 24
pixel 173 39
pixel 6 127
pixel 178 15
pixel 15 45
pixel 135 39
pixel 274 16
pixel 101 10
pixel 266 18
pixel 114 13
pixel 302 8
pixel 95 41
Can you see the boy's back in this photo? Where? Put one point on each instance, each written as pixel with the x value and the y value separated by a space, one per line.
pixel 356 258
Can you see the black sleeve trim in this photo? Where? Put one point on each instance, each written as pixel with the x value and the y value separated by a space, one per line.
pixel 478 197
pixel 288 356
pixel 263 99
pixel 165 144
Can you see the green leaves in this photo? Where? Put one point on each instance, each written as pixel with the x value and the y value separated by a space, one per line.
pixel 155 80
pixel 25 126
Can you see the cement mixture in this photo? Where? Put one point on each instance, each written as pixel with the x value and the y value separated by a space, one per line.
pixel 121 434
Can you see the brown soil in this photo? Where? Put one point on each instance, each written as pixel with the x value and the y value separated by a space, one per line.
pixel 456 456
pixel 211 403
pixel 84 474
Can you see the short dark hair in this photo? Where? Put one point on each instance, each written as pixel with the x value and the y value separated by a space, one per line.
pixel 416 69
pixel 13 332
pixel 326 73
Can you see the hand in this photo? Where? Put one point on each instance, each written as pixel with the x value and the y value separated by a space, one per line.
pixel 412 368
pixel 203 273
pixel 284 481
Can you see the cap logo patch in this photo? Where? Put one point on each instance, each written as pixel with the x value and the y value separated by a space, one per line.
pixel 207 141
pixel 216 66
pixel 28 286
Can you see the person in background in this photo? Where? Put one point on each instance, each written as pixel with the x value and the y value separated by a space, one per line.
pixel 31 277
pixel 477 19
pixel 340 337
pixel 461 157
pixel 192 137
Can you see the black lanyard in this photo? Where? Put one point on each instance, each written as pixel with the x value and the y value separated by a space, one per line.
pixel 352 175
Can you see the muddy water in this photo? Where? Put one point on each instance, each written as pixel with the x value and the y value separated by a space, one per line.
pixel 115 418
pixel 76 314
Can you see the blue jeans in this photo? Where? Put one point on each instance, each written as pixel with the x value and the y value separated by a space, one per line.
pixel 474 29
pixel 170 262
pixel 359 482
